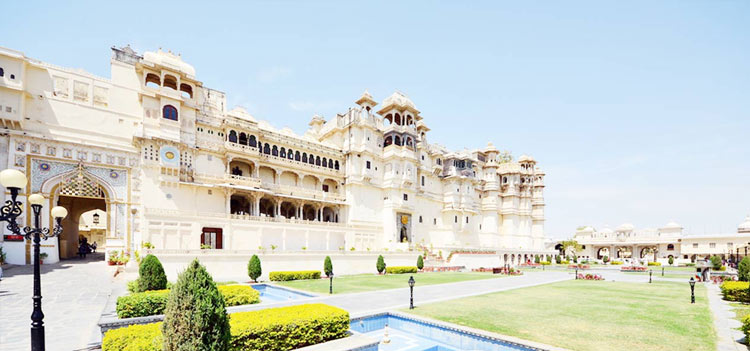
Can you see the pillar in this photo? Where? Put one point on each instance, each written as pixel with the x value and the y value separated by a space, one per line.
pixel 257 206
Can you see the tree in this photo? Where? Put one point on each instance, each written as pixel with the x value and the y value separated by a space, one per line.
pixel 671 260
pixel 558 259
pixel 605 259
pixel 743 269
pixel 151 274
pixel 420 262
pixel 195 318
pixel 381 264
pixel 571 247
pixel 536 259
pixel 253 268
pixel 328 266
pixel 716 262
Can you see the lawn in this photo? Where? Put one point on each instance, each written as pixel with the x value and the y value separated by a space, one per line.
pixel 590 315
pixel 370 282
pixel 656 274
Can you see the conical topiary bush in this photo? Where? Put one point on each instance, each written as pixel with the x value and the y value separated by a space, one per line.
pixel 151 274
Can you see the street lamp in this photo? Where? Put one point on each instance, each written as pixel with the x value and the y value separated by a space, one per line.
pixel 330 287
pixel 14 180
pixel 576 272
pixel 649 275
pixel 411 292
pixel 692 290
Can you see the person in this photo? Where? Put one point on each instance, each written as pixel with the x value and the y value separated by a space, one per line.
pixel 93 247
pixel 83 249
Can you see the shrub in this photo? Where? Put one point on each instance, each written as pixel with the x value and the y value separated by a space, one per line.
pixel 282 276
pixel 558 259
pixel 133 286
pixel 565 262
pixel 138 337
pixel 151 274
pixel 605 259
pixel 746 327
pixel 328 266
pixel 196 316
pixel 654 263
pixel 401 269
pixel 670 260
pixel 380 265
pixel 536 259
pixel 716 262
pixel 689 264
pixel 734 290
pixel 253 268
pixel 149 303
pixel 420 262
pixel 273 329
pixel 616 263
pixel 288 328
pixel 545 263
pixel 743 269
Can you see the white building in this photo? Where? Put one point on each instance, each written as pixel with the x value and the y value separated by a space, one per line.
pixel 625 243
pixel 173 166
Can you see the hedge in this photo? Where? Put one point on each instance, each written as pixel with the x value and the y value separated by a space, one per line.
pixel 401 269
pixel 746 326
pixel 282 276
pixel 654 263
pixel 154 302
pixel 616 263
pixel 734 290
pixel 272 329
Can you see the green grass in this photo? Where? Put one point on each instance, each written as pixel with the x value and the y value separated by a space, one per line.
pixel 685 276
pixel 370 282
pixel 590 315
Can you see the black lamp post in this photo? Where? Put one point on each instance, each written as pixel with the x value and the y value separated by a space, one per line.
pixel 692 290
pixel 576 272
pixel 662 271
pixel 649 275
pixel 411 292
pixel 330 287
pixel 14 180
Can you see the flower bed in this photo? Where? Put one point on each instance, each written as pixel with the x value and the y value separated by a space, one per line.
pixel 154 302
pixel 589 276
pixel 498 270
pixel 442 268
pixel 633 269
pixel 579 266
pixel 529 265
pixel 734 291
pixel 273 329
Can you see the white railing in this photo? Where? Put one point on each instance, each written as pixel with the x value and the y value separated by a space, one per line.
pixel 245 217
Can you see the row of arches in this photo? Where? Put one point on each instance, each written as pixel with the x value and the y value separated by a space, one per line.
pixel 170 81
pixel 399 140
pixel 397 119
pixel 273 150
pixel 267 206
pixel 243 168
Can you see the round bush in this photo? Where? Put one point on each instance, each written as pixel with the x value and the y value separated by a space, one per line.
pixel 151 274
pixel 253 268
pixel 743 269
pixel 196 316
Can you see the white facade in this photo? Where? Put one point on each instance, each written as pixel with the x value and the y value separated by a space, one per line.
pixel 628 244
pixel 172 166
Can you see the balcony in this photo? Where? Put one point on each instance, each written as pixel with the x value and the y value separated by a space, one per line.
pixel 281 161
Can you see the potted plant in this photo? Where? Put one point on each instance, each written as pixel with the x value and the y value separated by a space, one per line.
pixel 42 256
pixel 113 257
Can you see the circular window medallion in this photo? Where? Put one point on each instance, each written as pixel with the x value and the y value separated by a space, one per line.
pixel 44 166
pixel 169 155
pixel 113 174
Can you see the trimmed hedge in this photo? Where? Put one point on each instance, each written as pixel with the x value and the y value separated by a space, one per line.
pixel 654 263
pixel 282 276
pixel 154 302
pixel 272 329
pixel 734 290
pixel 746 326
pixel 616 263
pixel 401 269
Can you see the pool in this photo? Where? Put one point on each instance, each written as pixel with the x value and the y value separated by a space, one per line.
pixel 409 334
pixel 270 294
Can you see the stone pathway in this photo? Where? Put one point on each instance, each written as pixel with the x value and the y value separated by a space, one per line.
pixel 724 322
pixel 74 294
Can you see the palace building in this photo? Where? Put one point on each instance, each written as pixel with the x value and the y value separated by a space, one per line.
pixel 162 160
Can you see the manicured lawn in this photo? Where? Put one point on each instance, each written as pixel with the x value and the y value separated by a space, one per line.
pixel 685 275
pixel 590 315
pixel 370 282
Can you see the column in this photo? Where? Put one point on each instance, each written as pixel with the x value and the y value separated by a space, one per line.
pixel 228 198
pixel 278 208
pixel 256 211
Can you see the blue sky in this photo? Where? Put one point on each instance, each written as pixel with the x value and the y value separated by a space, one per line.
pixel 639 111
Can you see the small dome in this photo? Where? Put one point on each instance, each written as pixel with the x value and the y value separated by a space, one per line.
pixel 168 59
pixel 588 230
pixel 366 97
pixel 490 148
pixel 606 230
pixel 399 99
pixel 744 226
pixel 672 225
pixel 625 227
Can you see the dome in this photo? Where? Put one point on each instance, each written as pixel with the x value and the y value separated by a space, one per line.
pixel 588 230
pixel 672 225
pixel 525 158
pixel 366 97
pixel 170 60
pixel 241 113
pixel 398 99
pixel 490 148
pixel 625 227
pixel 744 226
pixel 606 230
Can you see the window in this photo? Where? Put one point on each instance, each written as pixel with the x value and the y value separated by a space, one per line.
pixel 406 197
pixel 153 81
pixel 101 96
pixel 2 72
pixel 434 221
pixel 670 247
pixel 187 90
pixel 712 245
pixel 61 87
pixel 420 219
pixel 368 164
pixel 275 151
pixel 455 219
pixel 467 220
pixel 170 82
pixel 336 165
pixel 169 112
pixel 325 187
pixel 695 245
pixel 80 91
pixel 422 180
pixel 232 136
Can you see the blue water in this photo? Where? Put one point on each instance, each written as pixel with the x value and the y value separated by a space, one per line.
pixel 270 294
pixel 408 334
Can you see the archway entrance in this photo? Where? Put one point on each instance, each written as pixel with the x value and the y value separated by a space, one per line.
pixel 71 236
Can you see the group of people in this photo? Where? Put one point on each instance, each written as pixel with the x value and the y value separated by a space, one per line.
pixel 85 248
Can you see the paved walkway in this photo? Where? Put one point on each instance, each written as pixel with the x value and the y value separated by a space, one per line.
pixel 74 294
pixel 724 322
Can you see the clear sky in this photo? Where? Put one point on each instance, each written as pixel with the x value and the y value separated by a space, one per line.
pixel 639 111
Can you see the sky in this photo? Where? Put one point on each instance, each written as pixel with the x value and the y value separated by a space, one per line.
pixel 638 111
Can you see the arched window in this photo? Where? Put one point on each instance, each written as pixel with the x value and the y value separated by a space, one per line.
pixel 275 151
pixel 304 157
pixel 330 164
pixel 232 136
pixel 169 112
pixel 243 138
pixel 387 120
pixel 252 142
pixel 317 160
pixel 290 154
pixel 152 80
pixel 325 162
pixel 170 82
pixel 336 165
pixel 312 159
pixel 397 140
pixel 296 156
pixel 187 90
pixel 283 152
pixel 267 149
pixel 397 119
pixel 670 247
